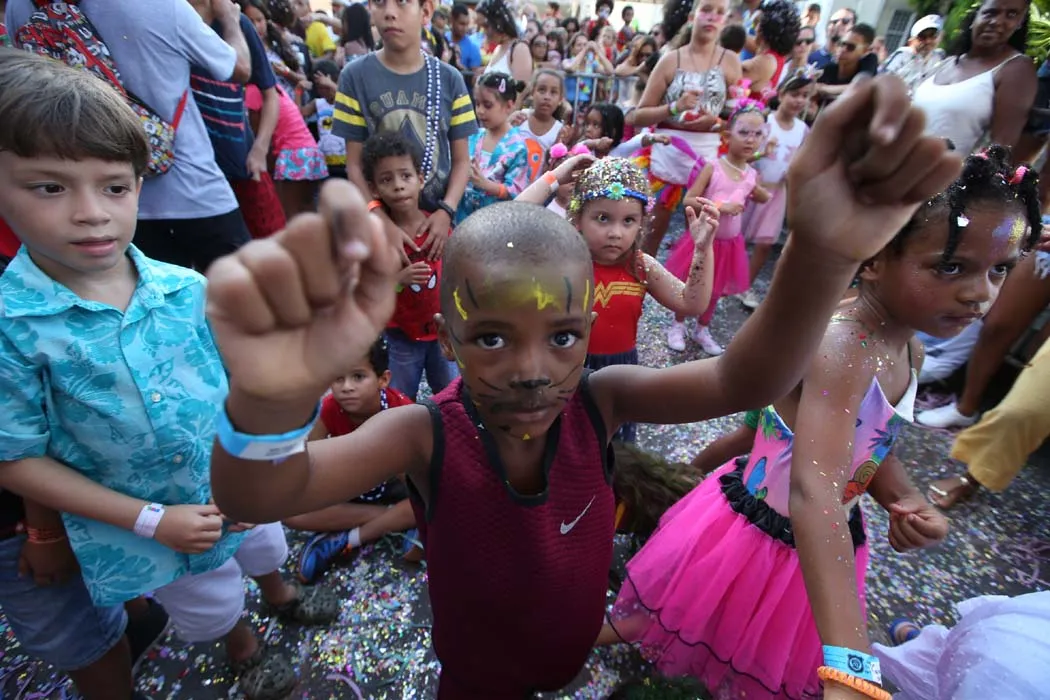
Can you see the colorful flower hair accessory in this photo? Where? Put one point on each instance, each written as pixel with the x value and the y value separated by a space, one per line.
pixel 611 178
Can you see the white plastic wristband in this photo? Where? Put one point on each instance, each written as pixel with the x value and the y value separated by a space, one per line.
pixel 148 520
pixel 263 448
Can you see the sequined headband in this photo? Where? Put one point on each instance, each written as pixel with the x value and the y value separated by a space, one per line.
pixel 611 178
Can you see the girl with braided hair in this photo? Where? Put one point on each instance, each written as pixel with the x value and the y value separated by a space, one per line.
pixel 778 27
pixel 763 562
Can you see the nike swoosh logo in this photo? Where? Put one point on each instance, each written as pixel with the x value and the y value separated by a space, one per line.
pixel 566 528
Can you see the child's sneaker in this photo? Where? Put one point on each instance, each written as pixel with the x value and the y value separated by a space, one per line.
pixel 676 336
pixel 320 553
pixel 706 342
pixel 946 416
pixel 750 299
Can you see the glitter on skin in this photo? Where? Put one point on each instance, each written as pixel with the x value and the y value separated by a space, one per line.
pixel 998 544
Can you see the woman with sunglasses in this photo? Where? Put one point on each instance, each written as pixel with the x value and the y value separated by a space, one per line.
pixel 916 61
pixel 799 58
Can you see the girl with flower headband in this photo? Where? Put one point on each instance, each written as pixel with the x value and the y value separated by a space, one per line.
pixel 754 582
pixel 503 159
pixel 762 222
pixel 729 182
pixel 609 205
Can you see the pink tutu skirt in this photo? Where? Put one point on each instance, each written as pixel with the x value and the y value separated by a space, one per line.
pixel 731 274
pixel 717 594
pixel 762 223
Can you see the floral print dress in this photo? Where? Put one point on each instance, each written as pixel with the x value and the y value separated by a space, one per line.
pixel 510 163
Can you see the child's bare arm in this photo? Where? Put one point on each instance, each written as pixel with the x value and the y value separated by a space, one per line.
pixel 760 194
pixel 852 187
pixel 699 186
pixel 725 448
pixel 825 429
pixel 277 308
pixel 691 297
pixel 540 191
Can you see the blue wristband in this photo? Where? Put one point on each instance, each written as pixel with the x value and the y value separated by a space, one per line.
pixel 855 663
pixel 262 448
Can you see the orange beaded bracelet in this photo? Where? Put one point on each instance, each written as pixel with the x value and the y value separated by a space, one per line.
pixel 827 673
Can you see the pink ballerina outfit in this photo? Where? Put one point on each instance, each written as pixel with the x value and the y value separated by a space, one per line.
pixel 730 274
pixel 717 593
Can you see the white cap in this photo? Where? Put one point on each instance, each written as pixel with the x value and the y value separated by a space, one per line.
pixel 341 3
pixel 927 22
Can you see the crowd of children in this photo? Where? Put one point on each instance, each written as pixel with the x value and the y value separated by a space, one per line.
pixel 155 416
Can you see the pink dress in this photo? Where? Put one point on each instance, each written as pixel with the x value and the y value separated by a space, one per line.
pixel 297 156
pixel 717 593
pixel 731 274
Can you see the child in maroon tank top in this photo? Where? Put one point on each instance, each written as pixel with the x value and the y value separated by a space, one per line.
pixel 507 467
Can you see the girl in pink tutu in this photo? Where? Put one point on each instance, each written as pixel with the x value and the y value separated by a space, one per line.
pixel 762 222
pixel 764 561
pixel 729 182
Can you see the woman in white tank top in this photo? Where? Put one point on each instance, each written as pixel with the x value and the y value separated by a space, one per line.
pixel 512 56
pixel 983 93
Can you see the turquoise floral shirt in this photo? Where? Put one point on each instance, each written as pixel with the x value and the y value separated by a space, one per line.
pixel 514 163
pixel 128 399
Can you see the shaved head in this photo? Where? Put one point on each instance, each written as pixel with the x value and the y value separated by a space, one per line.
pixel 510 234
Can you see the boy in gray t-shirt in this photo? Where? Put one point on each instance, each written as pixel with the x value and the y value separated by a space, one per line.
pixel 399 88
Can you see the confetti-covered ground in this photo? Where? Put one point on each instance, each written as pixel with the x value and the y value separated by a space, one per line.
pixel 380 646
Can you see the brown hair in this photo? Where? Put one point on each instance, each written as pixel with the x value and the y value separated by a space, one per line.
pixel 49 109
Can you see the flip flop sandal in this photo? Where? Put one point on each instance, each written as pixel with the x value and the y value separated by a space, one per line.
pixel 895 627
pixel 965 483
pixel 266 675
pixel 312 605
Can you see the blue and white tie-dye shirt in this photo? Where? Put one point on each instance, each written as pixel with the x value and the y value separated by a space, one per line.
pixel 128 399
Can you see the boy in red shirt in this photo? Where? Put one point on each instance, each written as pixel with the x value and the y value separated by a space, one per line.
pixel 391 166
pixel 355 397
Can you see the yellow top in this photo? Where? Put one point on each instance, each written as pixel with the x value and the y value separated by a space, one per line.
pixel 319 40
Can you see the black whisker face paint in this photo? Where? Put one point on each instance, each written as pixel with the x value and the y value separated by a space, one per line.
pixel 490 385
pixel 470 294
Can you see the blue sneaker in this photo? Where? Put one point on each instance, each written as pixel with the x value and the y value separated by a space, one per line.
pixel 320 553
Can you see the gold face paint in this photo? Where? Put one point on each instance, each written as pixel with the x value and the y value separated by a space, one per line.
pixel 586 294
pixel 543 297
pixel 459 308
pixel 1018 230
pixel 526 436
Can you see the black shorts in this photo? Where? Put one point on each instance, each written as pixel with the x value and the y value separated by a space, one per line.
pixel 193 243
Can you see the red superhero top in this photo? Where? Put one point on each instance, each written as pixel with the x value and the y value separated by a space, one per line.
pixel 618 297
pixel 336 422
pixel 517 582
pixel 9 243
pixel 417 303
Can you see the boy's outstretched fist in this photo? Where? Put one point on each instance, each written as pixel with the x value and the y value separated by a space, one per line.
pixel 864 170
pixel 290 311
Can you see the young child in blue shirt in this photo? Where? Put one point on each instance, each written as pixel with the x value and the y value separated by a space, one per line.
pixel 110 382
